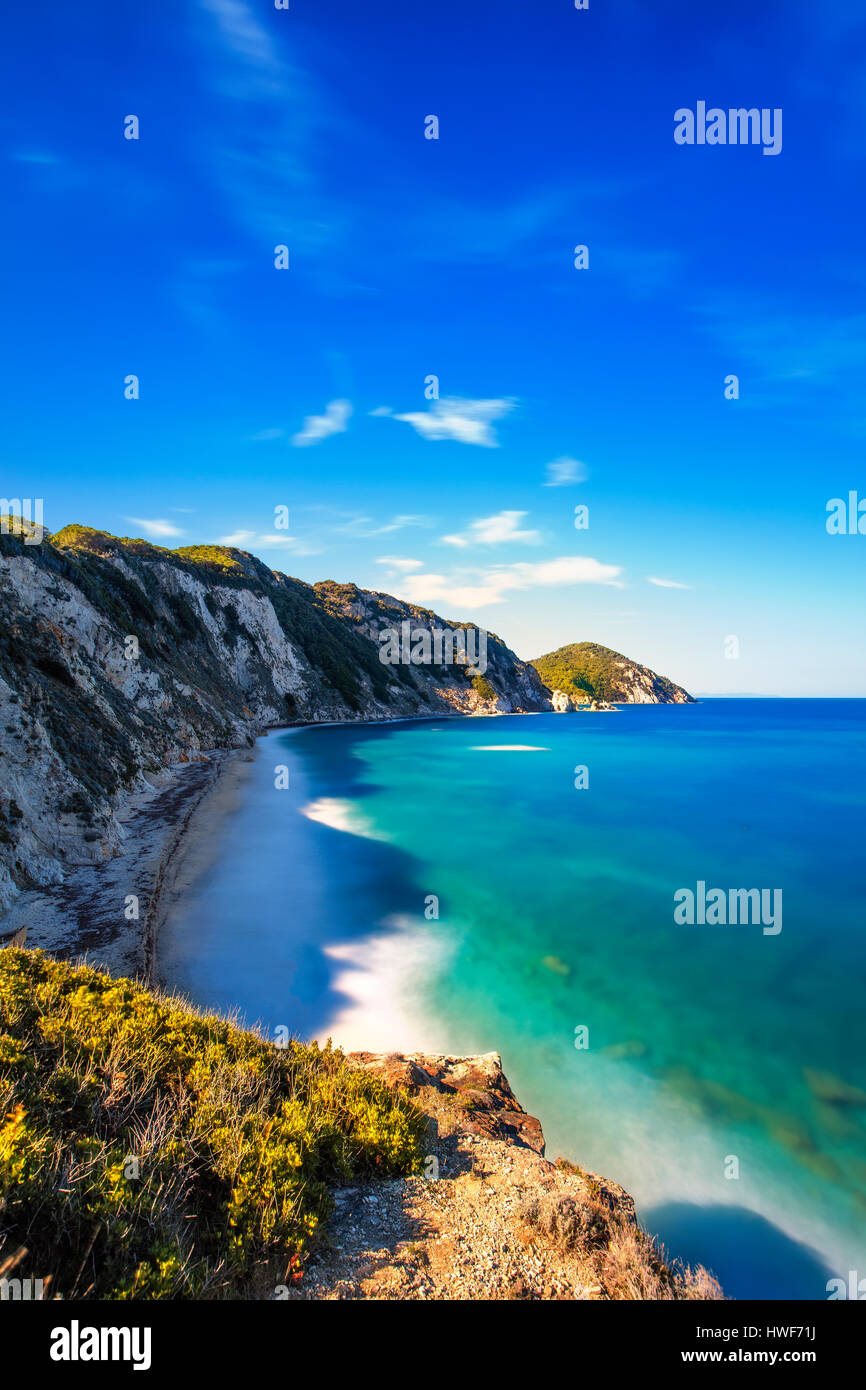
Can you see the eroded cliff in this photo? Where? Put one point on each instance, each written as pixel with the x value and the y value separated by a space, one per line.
pixel 119 658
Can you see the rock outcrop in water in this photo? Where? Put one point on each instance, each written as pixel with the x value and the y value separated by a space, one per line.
pixel 119 658
pixel 563 702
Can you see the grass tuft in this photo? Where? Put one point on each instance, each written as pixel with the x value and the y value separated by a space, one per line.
pixel 627 1262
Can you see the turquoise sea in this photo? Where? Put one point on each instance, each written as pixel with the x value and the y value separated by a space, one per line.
pixel 724 1080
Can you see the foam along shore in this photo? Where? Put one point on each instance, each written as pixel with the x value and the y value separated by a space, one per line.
pixel 110 909
pixel 341 814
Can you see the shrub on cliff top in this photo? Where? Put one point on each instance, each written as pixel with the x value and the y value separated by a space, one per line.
pixel 625 1259
pixel 151 1151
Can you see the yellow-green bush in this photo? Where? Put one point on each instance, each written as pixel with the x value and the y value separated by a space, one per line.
pixel 151 1151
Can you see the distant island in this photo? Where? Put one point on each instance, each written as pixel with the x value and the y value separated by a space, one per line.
pixel 586 671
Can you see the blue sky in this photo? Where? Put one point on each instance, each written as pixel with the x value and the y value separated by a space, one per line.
pixel 454 257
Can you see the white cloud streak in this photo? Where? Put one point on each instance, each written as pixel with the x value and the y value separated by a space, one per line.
pixel 317 427
pixel 363 527
pixel 398 562
pixel 466 421
pixel 156 526
pixel 565 470
pixel 490 586
pixel 493 530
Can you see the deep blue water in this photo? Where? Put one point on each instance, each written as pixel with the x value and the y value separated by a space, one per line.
pixel 724 1081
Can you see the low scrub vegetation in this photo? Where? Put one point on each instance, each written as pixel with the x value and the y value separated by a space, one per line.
pixel 625 1261
pixel 151 1151
pixel 482 687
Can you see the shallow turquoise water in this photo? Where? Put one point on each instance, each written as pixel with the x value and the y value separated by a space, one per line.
pixel 698 1089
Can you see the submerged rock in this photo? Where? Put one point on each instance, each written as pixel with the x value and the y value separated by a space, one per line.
pixel 831 1089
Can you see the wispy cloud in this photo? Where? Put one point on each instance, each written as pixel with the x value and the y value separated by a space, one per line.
pixel 317 427
pixel 155 526
pixel 268 540
pixel 792 345
pixel 566 569
pixel 467 421
pixel 273 539
pixel 258 155
pixel 666 583
pixel 400 562
pixel 243 34
pixel 454 230
pixel 565 470
pixel 485 587
pixel 34 157
pixel 493 530
pixel 363 527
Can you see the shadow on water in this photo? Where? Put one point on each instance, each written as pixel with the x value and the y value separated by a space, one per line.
pixel 749 1256
pixel 367 883
pixel 256 928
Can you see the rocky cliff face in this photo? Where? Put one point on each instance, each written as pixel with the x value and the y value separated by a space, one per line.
pixel 563 702
pixel 118 658
pixel 515 686
pixel 491 1218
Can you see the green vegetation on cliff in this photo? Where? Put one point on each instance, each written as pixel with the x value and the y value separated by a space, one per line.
pixel 151 1151
pixel 586 669
pixel 169 629
pixel 120 657
pixel 583 668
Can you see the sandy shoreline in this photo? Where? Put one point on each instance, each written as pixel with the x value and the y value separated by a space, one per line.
pixel 197 844
pixel 91 913
pixel 172 831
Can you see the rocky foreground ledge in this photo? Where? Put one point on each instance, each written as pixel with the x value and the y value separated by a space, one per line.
pixel 492 1218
